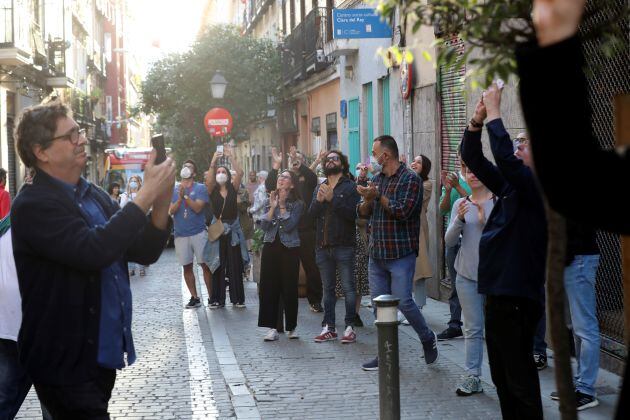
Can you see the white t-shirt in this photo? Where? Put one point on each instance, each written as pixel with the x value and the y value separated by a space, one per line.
pixel 10 300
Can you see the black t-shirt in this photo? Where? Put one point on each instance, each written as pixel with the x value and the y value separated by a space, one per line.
pixel 230 211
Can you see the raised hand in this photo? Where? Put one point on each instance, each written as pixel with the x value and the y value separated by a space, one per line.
pixel 556 20
pixel 492 101
pixel 480 111
pixel 277 158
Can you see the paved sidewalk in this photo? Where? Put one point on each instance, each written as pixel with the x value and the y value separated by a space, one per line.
pixel 203 363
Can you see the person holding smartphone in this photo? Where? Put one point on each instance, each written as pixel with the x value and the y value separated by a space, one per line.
pixel 223 189
pixel 280 261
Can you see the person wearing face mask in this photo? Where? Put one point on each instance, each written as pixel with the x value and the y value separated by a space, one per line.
pixel 223 190
pixel 361 174
pixel 187 208
pixel 133 186
pixel 392 202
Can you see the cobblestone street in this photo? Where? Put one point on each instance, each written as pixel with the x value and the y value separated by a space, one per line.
pixel 214 364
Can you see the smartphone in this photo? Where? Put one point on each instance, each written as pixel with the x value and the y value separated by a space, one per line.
pixel 157 142
pixel 220 148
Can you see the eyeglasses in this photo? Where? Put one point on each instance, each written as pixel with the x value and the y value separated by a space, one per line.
pixel 521 141
pixel 285 176
pixel 73 135
pixel 333 158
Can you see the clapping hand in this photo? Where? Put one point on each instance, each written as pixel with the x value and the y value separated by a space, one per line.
pixel 326 191
pixel 481 213
pixel 321 195
pixel 273 199
pixel 368 193
pixel 462 210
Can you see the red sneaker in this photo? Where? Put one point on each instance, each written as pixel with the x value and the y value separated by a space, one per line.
pixel 349 336
pixel 326 335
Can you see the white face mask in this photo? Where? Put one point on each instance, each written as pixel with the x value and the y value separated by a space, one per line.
pixel 376 167
pixel 185 172
pixel 221 178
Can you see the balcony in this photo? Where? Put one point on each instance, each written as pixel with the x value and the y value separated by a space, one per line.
pixel 15 34
pixel 254 10
pixel 303 49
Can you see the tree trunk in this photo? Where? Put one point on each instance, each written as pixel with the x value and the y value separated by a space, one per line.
pixel 556 252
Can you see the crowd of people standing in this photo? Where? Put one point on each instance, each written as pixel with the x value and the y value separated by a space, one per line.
pixel 71 240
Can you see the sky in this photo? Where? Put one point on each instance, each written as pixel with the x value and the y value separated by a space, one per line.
pixel 174 23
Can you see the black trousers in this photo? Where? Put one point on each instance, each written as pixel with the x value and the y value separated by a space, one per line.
pixel 510 327
pixel 279 271
pixel 231 267
pixel 83 401
pixel 314 290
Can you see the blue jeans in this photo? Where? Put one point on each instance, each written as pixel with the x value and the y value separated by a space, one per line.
pixel 473 308
pixel 395 277
pixel 14 382
pixel 329 260
pixel 579 282
pixel 453 300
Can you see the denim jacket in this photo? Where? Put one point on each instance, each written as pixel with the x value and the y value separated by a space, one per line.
pixel 212 250
pixel 336 219
pixel 286 226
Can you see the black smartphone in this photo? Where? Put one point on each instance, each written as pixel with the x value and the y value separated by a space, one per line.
pixel 157 142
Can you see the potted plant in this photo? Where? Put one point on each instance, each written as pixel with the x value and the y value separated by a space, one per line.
pixel 257 245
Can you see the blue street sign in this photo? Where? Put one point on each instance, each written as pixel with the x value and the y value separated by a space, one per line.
pixel 359 23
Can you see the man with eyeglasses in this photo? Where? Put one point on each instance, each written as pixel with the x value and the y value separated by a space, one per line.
pixel 334 209
pixel 71 244
pixel 392 202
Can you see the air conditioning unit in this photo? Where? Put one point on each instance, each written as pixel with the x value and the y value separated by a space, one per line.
pixel 321 57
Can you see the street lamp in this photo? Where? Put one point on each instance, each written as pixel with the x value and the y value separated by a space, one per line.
pixel 218 85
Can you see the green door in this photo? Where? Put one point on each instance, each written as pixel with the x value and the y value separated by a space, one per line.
pixel 369 115
pixel 354 137
pixel 386 119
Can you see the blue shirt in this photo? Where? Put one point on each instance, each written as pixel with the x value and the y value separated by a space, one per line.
pixel 115 321
pixel 186 222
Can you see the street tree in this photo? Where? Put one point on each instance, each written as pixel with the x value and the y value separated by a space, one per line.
pixel 492 29
pixel 177 88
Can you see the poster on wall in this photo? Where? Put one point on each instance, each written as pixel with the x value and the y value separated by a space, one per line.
pixel 359 23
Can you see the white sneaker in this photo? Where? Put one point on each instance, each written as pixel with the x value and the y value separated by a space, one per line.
pixel 401 317
pixel 293 335
pixel 272 335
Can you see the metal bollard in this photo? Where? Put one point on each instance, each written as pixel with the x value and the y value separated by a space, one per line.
pixel 388 373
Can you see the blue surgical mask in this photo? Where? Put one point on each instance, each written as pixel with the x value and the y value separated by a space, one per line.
pixel 376 167
pixel 133 185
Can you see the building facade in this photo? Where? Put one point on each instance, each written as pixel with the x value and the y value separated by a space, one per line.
pixel 64 49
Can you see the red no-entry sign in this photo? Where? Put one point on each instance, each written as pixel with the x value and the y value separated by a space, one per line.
pixel 218 122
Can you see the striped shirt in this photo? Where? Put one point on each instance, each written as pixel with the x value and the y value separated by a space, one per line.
pixel 395 233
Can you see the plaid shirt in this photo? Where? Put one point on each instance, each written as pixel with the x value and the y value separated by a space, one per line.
pixel 396 233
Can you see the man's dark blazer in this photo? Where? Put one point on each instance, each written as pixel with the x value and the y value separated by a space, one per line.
pixel 59 259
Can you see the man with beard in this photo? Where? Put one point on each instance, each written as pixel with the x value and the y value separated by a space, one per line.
pixel 334 209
